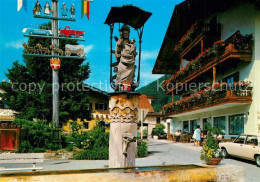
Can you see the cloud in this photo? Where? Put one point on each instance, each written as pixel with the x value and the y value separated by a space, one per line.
pixel 15 44
pixel 147 55
pixel 88 48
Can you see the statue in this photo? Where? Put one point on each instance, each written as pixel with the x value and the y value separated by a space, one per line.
pixel 47 9
pixel 72 12
pixel 64 11
pixel 125 54
pixel 37 9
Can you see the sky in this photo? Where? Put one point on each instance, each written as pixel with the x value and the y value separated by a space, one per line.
pixel 97 44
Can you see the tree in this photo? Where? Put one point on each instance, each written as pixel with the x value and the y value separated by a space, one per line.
pixel 30 90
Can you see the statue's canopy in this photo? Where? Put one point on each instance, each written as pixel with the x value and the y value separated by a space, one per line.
pixel 128 14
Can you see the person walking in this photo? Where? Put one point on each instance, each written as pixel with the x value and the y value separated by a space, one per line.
pixel 197 136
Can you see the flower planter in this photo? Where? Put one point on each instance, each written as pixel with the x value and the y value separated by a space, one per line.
pixel 155 137
pixel 213 161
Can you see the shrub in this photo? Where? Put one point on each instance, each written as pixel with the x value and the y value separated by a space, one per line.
pixel 38 136
pixel 94 144
pixel 142 149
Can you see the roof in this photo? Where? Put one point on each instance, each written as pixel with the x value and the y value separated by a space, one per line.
pixel 94 89
pixel 128 14
pixel 145 104
pixel 185 14
pixel 154 114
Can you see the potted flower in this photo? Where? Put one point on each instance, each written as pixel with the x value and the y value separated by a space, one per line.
pixel 210 152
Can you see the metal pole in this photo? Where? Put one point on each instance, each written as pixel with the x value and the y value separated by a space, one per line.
pixel 142 121
pixel 111 53
pixel 55 73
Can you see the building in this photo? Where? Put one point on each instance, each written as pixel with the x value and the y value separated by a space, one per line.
pixel 6 115
pixel 9 134
pixel 152 118
pixel 99 101
pixel 212 50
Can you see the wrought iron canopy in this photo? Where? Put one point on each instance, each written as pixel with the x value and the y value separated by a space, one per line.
pixel 128 14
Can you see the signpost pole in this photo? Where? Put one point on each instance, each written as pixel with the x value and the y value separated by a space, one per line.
pixel 55 72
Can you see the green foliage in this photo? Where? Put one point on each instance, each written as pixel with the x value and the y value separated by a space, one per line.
pixel 145 132
pixel 142 149
pixel 34 70
pixel 158 130
pixel 94 144
pixel 210 148
pixel 154 89
pixel 38 136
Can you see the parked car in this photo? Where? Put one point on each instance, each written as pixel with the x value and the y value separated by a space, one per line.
pixel 33 31
pixel 71 33
pixel 160 134
pixel 244 146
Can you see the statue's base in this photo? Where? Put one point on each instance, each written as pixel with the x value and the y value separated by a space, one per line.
pixel 123 127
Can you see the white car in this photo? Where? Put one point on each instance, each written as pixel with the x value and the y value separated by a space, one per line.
pixel 244 146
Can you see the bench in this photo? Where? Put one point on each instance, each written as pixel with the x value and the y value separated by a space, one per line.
pixel 14 158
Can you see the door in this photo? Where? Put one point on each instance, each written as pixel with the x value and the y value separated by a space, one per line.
pixel 168 127
pixel 237 146
pixel 193 125
pixel 251 147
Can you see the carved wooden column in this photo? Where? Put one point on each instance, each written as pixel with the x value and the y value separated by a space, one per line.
pixel 123 127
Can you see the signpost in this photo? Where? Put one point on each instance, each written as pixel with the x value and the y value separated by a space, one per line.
pixel 56 53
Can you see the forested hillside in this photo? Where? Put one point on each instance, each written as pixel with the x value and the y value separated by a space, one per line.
pixel 153 89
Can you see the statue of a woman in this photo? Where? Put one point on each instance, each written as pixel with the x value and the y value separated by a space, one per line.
pixel 125 54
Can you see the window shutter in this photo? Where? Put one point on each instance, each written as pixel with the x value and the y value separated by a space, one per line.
pixel 105 106
pixel 96 106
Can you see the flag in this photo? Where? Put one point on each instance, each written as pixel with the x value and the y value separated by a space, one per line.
pixel 20 4
pixel 85 8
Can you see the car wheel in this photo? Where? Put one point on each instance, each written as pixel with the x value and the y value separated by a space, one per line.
pixel 224 153
pixel 257 160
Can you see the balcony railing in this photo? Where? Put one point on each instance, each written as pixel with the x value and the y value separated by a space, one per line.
pixel 210 97
pixel 209 33
pixel 213 56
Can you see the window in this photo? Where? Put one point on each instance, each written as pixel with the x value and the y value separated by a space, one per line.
pixel 232 78
pixel 240 139
pixel 193 125
pixel 236 124
pixel 101 106
pixel 252 140
pixel 185 126
pixel 1 105
pixel 158 120
pixel 86 125
pixel 220 123
pixel 89 107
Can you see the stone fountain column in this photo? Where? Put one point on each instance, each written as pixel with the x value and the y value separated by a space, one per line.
pixel 123 126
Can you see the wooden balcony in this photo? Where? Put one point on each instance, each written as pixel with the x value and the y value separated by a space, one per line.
pixel 204 37
pixel 228 53
pixel 221 100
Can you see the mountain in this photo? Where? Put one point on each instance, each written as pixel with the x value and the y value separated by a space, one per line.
pixel 154 89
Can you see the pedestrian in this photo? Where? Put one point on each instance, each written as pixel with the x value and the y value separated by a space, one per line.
pixel 197 136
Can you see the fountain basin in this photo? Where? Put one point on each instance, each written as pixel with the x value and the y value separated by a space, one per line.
pixel 152 173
